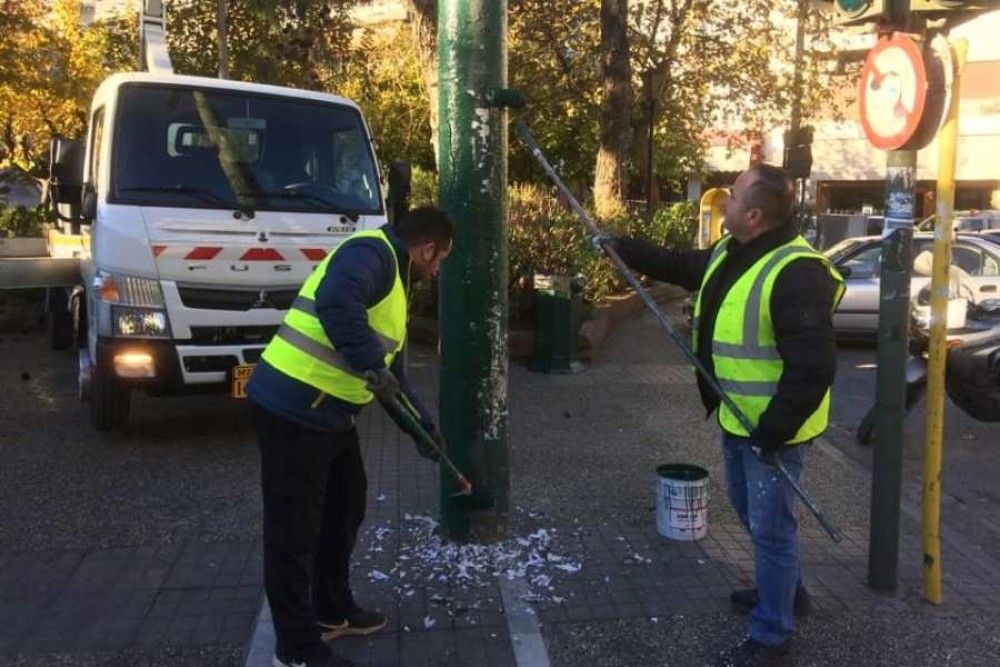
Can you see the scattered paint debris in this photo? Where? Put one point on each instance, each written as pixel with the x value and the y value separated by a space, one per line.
pixel 448 571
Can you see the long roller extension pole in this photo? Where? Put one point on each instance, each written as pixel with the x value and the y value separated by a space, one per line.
pixel 536 152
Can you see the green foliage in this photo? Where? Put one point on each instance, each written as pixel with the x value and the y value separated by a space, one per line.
pixel 23 222
pixel 300 44
pixel 674 226
pixel 385 81
pixel 554 48
pixel 424 190
pixel 50 65
pixel 544 238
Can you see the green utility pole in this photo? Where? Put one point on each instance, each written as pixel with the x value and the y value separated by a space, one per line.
pixel 893 334
pixel 472 143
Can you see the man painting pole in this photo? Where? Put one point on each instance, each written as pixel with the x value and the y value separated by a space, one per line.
pixel 347 323
pixel 763 329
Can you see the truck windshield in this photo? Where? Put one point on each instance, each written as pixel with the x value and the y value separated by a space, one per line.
pixel 208 148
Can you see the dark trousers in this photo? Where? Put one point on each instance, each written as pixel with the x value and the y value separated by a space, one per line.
pixel 313 485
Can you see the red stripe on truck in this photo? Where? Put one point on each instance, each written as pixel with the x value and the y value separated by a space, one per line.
pixel 314 254
pixel 261 255
pixel 203 252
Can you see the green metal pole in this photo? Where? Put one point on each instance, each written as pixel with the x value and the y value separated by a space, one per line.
pixel 893 334
pixel 890 392
pixel 472 142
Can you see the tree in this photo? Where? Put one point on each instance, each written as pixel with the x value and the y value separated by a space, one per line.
pixel 711 65
pixel 301 44
pixel 387 83
pixel 611 168
pixel 49 67
pixel 424 30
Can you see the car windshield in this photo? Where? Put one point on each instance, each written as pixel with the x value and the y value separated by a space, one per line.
pixel 837 251
pixel 210 148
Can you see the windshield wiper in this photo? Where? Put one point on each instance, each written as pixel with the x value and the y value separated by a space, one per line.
pixel 202 194
pixel 331 207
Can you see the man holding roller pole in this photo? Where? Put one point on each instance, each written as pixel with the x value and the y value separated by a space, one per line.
pixel 762 327
pixel 339 346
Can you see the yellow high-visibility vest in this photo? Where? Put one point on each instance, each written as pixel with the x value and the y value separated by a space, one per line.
pixel 301 349
pixel 744 350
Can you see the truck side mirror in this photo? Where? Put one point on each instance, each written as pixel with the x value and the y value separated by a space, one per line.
pixel 65 170
pixel 88 204
pixel 400 184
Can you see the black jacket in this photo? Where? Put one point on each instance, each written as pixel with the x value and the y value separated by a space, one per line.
pixel 801 308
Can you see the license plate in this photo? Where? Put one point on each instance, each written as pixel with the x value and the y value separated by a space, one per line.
pixel 240 376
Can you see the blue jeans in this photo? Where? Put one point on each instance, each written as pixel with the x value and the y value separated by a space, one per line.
pixel 765 503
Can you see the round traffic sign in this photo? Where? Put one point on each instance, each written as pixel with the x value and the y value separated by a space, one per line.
pixel 892 93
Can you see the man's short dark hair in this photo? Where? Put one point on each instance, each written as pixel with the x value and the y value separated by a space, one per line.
pixel 425 224
pixel 772 192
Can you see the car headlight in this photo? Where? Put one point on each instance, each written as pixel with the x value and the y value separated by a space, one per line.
pixel 139 322
pixel 129 290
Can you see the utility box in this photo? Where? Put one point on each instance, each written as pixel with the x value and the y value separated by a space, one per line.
pixel 558 312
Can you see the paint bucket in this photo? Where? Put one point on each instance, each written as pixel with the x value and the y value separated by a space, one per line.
pixel 681 501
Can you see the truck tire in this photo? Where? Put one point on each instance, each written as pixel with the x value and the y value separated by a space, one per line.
pixel 60 321
pixel 110 400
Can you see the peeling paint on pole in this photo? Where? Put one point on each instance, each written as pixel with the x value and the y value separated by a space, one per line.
pixel 472 56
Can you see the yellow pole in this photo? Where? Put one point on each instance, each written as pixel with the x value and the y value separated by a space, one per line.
pixel 710 216
pixel 943 238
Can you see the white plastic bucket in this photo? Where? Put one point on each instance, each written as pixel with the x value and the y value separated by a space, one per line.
pixel 682 501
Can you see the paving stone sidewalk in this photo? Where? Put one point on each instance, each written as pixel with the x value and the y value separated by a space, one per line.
pixel 583 451
pixel 586 566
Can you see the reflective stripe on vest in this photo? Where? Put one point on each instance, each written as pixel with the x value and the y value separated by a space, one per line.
pixel 744 350
pixel 302 350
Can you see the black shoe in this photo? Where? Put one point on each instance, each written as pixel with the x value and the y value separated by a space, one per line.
pixel 745 599
pixel 328 660
pixel 358 621
pixel 751 653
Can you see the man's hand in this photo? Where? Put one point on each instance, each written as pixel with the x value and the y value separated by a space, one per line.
pixel 602 241
pixel 426 451
pixel 383 384
pixel 766 450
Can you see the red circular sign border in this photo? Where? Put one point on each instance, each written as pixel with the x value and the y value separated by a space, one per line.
pixel 910 48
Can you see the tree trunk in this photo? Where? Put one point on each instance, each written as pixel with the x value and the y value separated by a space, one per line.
pixel 223 29
pixel 425 32
pixel 611 169
pixel 653 90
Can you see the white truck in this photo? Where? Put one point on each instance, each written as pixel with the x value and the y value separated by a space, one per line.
pixel 196 208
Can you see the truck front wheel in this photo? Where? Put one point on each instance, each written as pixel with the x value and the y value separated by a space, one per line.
pixel 59 319
pixel 110 400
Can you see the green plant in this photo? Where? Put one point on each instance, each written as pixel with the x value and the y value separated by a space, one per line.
pixel 424 187
pixel 21 221
pixel 674 226
pixel 546 239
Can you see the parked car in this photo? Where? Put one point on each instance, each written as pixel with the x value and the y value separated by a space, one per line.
pixel 859 262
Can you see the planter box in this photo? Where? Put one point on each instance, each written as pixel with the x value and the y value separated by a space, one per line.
pixel 603 319
pixel 23 247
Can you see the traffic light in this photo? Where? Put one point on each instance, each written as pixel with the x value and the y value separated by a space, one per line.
pixel 798 152
pixel 856 12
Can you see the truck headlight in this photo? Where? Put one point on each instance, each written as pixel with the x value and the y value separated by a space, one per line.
pixel 130 290
pixel 139 322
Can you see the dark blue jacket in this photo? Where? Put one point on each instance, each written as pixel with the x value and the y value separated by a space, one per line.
pixel 357 277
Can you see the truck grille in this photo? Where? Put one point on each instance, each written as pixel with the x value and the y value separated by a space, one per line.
pixel 232 335
pixel 232 299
